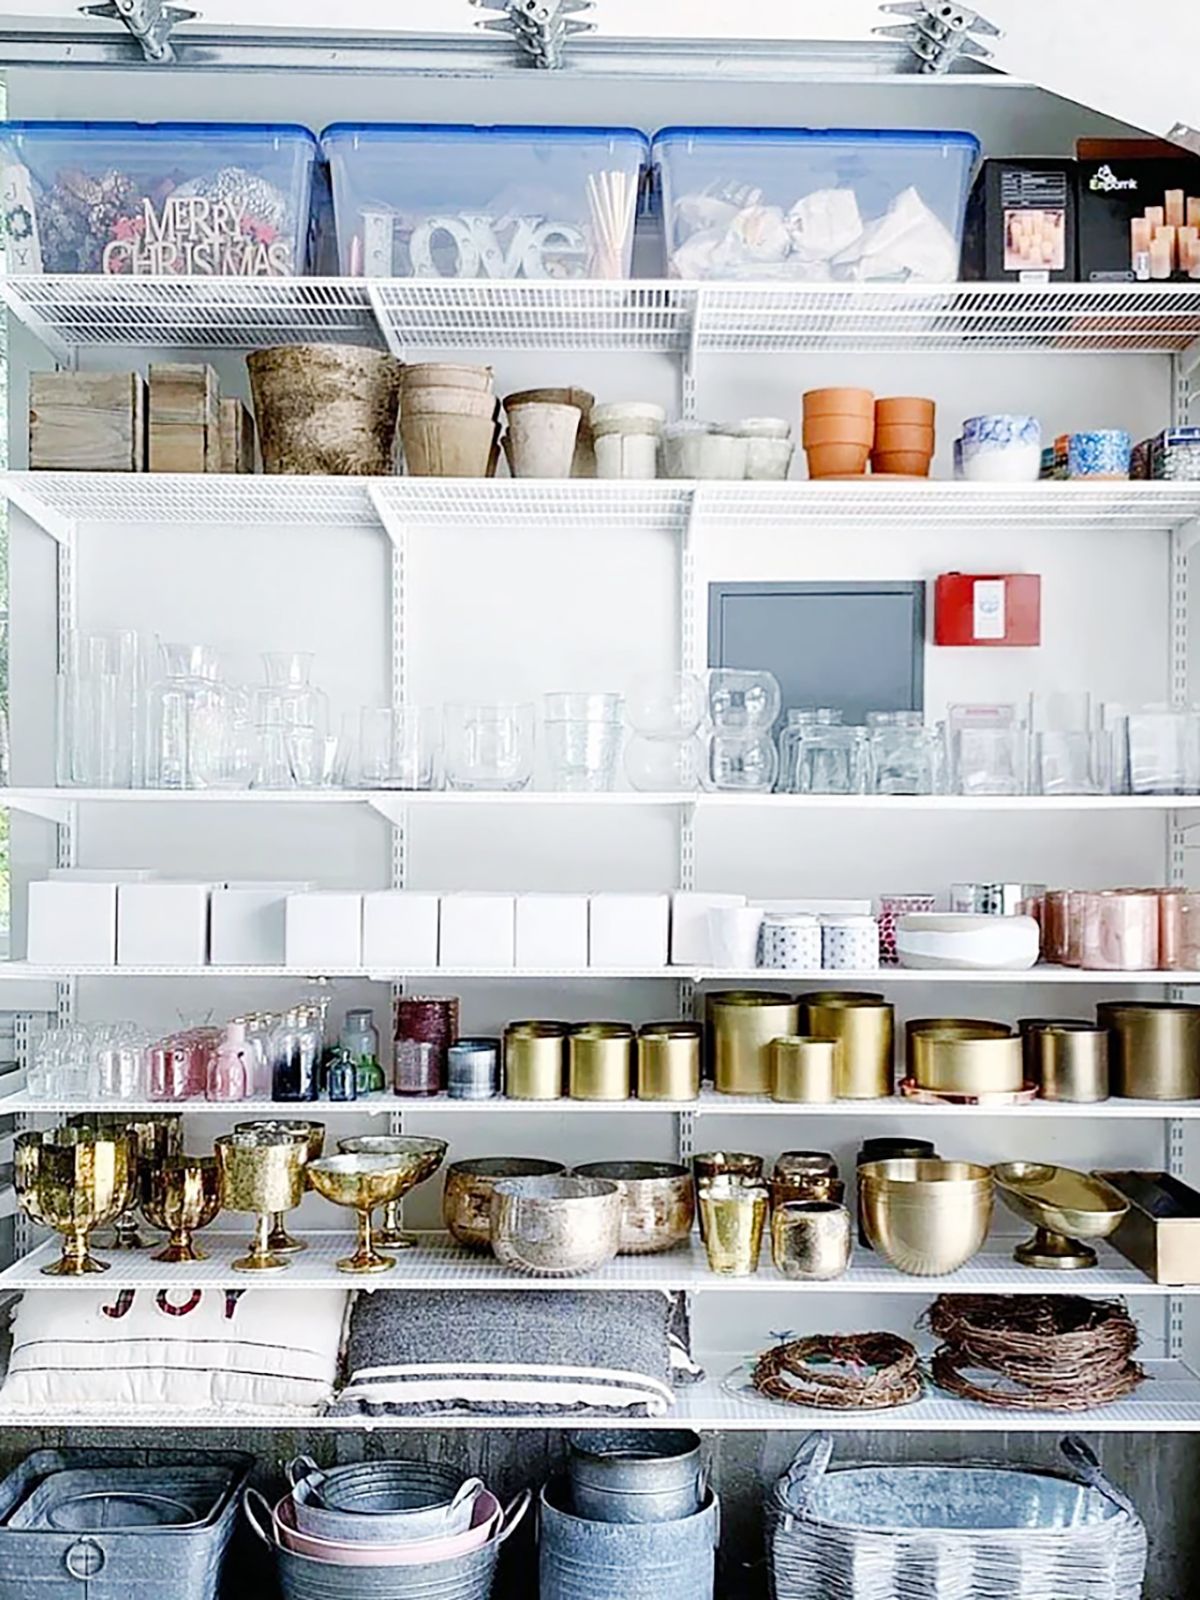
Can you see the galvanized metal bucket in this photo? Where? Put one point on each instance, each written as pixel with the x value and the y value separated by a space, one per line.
pixel 636 1475
pixel 584 1560
pixel 466 1578
pixel 381 1502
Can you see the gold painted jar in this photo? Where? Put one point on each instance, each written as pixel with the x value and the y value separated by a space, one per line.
pixel 535 1059
pixel 864 1027
pixel 744 1022
pixel 1154 1049
pixel 600 1061
pixel 668 1060
pixel 960 1064
pixel 804 1071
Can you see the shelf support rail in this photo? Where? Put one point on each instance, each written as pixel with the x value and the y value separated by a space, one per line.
pixel 689 360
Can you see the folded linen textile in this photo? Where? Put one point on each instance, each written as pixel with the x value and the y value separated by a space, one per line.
pixel 512 1352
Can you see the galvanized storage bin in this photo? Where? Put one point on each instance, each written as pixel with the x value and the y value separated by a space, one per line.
pixel 636 1475
pixel 951 1533
pixel 583 1560
pixel 146 1561
pixel 381 1502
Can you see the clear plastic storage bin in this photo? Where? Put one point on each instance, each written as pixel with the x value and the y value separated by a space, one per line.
pixel 156 199
pixel 430 201
pixel 815 206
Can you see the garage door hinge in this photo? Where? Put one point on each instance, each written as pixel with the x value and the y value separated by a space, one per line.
pixel 541 28
pixel 149 21
pixel 939 32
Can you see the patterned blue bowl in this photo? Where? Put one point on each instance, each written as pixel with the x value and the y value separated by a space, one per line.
pixel 1103 453
pixel 999 431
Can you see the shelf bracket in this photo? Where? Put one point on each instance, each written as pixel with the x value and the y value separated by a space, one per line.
pixel 542 29
pixel 687 370
pixel 938 33
pixel 149 21
pixel 60 812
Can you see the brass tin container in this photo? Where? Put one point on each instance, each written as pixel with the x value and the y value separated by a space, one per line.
pixel 467 1196
pixel 1154 1049
pixel 946 1028
pixel 744 1021
pixel 668 1060
pixel 1030 1029
pixel 810 1239
pixel 658 1203
pixel 804 1071
pixel 952 1065
pixel 927 1218
pixel 733 1217
pixel 535 1060
pixel 600 1061
pixel 864 1068
pixel 1072 1063
pixel 1160 1233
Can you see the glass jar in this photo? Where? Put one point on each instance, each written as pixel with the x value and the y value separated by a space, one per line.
pixel 227 1075
pixel 189 711
pixel 297 1047
pixel 360 1041
pixel 746 763
pixel 832 760
pixel 342 1076
pixel 904 755
pixel 290 699
pixel 489 746
pixel 741 701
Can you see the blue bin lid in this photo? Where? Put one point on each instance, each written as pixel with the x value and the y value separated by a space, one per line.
pixel 454 132
pixel 229 131
pixel 895 136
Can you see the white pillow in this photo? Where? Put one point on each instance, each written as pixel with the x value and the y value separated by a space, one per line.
pixel 185 1349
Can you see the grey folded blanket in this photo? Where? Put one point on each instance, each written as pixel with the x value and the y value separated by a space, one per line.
pixel 515 1352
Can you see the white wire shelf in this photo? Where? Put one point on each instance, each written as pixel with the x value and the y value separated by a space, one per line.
pixel 61 501
pixel 439 1263
pixel 72 311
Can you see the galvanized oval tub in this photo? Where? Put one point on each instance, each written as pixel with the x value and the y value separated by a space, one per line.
pixel 468 1577
pixel 584 1560
pixel 381 1502
pixel 636 1475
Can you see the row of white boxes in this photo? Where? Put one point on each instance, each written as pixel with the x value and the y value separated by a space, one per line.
pixel 83 918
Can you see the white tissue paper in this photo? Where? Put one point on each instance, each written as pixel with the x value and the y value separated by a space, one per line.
pixel 908 241
pixel 824 224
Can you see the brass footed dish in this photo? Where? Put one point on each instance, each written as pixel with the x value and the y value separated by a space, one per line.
pixel 1065 1207
pixel 312 1135
pixel 390 1233
pixel 180 1196
pixel 363 1182
pixel 73 1180
pixel 263 1173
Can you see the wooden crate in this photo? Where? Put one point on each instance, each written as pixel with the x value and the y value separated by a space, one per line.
pixel 185 417
pixel 237 437
pixel 87 422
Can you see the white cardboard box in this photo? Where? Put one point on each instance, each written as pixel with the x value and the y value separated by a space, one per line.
pixel 72 923
pixel 323 930
pixel 690 944
pixel 819 908
pixel 248 923
pixel 400 928
pixel 552 931
pixel 629 931
pixel 478 930
pixel 101 875
pixel 162 924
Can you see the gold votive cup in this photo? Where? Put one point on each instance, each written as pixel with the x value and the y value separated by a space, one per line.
pixel 803 1071
pixel 733 1216
pixel 810 1239
pixel 262 1173
pixel 739 1165
pixel 535 1060
pixel 865 1029
pixel 668 1060
pixel 744 1021
pixel 600 1061
pixel 794 1188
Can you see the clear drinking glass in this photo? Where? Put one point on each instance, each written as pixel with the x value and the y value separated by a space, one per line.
pixel 1065 762
pixel 988 749
pixel 290 696
pixel 315 760
pixel 582 735
pixel 398 748
pixel 742 762
pixel 740 701
pixel 189 712
pixel 489 746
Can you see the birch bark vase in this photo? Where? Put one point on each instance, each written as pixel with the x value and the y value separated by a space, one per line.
pixel 326 409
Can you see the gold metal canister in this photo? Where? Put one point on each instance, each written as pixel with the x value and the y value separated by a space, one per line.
pixel 744 1021
pixel 600 1061
pixel 946 1028
pixel 1072 1063
pixel 1154 1049
pixel 804 1071
pixel 865 1029
pixel 535 1058
pixel 668 1060
pixel 958 1064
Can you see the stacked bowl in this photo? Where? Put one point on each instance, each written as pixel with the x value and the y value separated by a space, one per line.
pixel 927 1217
pixel 449 421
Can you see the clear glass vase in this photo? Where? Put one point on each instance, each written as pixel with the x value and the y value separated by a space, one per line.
pixel 189 715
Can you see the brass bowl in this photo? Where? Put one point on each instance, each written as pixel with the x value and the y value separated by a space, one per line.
pixel 467 1196
pixel 180 1196
pixel 1064 1207
pixel 261 1172
pixel 73 1180
pixel 363 1182
pixel 390 1232
pixel 658 1203
pixel 555 1227
pixel 927 1218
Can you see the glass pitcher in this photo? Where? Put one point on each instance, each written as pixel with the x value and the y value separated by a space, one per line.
pixel 189 715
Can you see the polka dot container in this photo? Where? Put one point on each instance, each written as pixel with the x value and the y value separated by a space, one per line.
pixel 849 944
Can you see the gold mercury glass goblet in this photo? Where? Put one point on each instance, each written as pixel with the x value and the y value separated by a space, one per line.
pixel 73 1180
pixel 180 1195
pixel 364 1182
pixel 390 1234
pixel 313 1135
pixel 153 1139
pixel 262 1173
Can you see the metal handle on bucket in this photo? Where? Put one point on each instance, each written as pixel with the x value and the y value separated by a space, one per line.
pixel 467 1491
pixel 301 1467
pixel 1080 1456
pixel 250 1499
pixel 808 1467
pixel 513 1512
pixel 84 1560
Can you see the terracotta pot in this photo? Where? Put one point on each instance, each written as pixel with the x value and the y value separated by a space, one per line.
pixel 890 439
pixel 440 446
pixel 836 460
pixel 902 463
pixel 827 402
pixel 905 410
pixel 839 430
pixel 443 400
pixel 447 374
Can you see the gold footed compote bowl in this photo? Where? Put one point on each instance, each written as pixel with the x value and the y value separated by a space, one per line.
pixel 313 1134
pixel 390 1234
pixel 73 1180
pixel 181 1195
pixel 363 1182
pixel 262 1173
pixel 153 1139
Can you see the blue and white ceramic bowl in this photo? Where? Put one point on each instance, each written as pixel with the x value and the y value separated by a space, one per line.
pixel 1102 453
pixel 999 431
